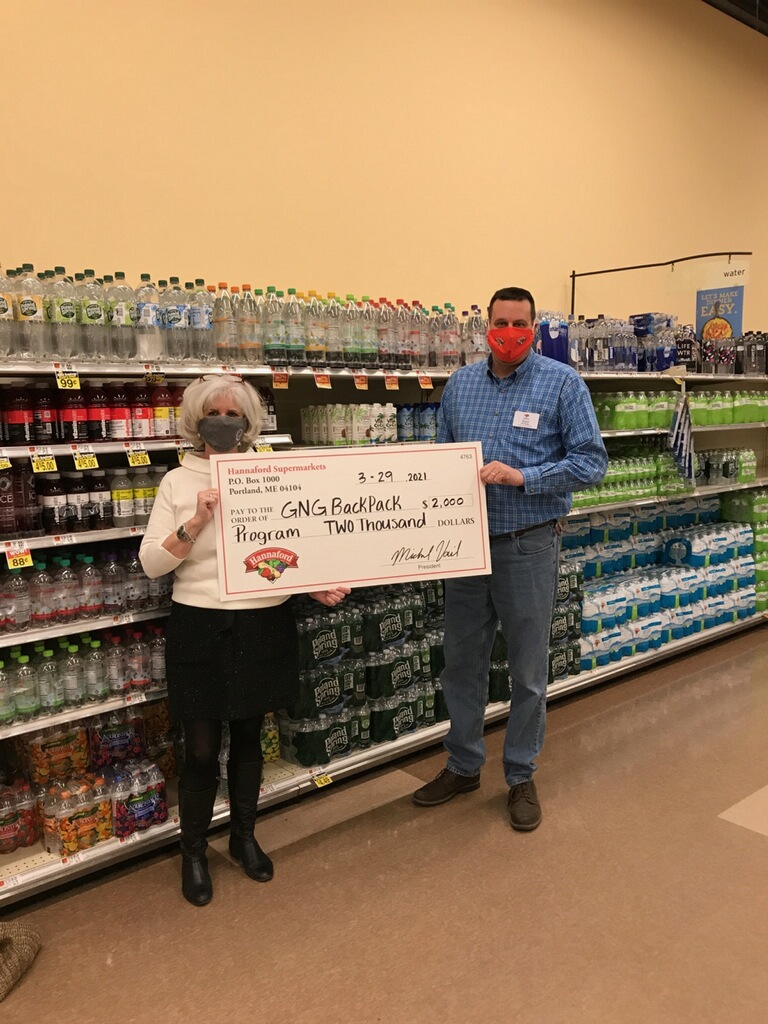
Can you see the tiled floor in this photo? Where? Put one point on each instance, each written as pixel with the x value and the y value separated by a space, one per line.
pixel 642 897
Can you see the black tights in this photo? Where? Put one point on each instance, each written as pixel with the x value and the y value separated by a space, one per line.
pixel 202 743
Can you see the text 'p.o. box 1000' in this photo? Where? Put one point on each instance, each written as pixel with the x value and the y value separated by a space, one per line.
pixel 300 521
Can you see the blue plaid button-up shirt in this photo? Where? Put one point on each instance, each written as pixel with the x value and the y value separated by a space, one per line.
pixel 563 453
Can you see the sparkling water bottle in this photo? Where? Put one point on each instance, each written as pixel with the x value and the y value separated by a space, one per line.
pixel 63 312
pixel 174 318
pixel 7 326
pixel 138 664
pixel 30 316
pixel 26 692
pixel 449 339
pixel 293 321
pixel 115 668
pixel 224 327
pixel 201 322
pixel 73 677
pixel 94 321
pixel 249 348
pixel 149 341
pixel 123 316
pixel 50 685
pixel 113 579
pixel 18 608
pixel 92 587
pixel 95 667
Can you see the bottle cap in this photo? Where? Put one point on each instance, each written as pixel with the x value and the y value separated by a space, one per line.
pixel 222 284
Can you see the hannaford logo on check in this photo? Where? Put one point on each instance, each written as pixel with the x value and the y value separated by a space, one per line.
pixel 271 563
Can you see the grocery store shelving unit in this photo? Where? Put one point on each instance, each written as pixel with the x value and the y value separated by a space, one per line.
pixel 32 871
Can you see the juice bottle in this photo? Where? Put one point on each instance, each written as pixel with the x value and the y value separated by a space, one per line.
pixel 73 416
pixel 98 406
pixel 141 412
pixel 162 423
pixel 119 413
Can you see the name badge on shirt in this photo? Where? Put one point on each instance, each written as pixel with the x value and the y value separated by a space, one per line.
pixel 529 420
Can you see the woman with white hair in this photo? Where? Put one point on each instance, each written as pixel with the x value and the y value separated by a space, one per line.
pixel 228 662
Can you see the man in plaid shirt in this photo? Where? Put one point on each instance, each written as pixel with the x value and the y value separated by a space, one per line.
pixel 541 441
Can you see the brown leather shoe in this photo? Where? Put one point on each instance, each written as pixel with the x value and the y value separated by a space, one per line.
pixel 524 807
pixel 444 787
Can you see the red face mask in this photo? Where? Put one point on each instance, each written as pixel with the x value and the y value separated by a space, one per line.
pixel 510 344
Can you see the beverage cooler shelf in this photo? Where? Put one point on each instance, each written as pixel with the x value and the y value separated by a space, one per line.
pixel 696 492
pixel 643 432
pixel 729 426
pixel 116 447
pixel 69 539
pixel 31 636
pixel 88 710
pixel 173 370
pixel 30 871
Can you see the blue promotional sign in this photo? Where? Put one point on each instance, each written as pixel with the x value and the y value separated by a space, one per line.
pixel 719 313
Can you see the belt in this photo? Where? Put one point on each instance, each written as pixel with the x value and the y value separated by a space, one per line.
pixel 525 529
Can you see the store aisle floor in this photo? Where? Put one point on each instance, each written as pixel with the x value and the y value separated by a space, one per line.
pixel 634 902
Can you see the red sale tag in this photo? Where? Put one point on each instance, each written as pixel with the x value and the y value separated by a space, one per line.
pixel 280 381
pixel 425 382
pixel 323 380
pixel 391 382
pixel 361 381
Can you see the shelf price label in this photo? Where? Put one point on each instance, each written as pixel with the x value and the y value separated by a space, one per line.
pixel 324 779
pixel 5 462
pixel 64 538
pixel 67 377
pixel 139 697
pixel 43 460
pixel 361 381
pixel 153 374
pixel 84 456
pixel 280 380
pixel 182 447
pixel 10 881
pixel 425 382
pixel 322 380
pixel 391 382
pixel 18 556
pixel 264 448
pixel 137 454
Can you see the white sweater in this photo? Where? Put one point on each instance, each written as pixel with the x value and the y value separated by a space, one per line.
pixel 197 581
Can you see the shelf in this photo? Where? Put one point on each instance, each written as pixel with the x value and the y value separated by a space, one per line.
pixel 139 367
pixel 643 432
pixel 117 447
pixel 696 492
pixel 31 636
pixel 32 870
pixel 729 426
pixel 68 539
pixel 85 711
pixel 627 665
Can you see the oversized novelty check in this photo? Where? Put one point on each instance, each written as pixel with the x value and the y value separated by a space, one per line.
pixel 297 521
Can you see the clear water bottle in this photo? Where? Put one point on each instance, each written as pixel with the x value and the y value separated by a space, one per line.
pixel 63 312
pixel 143 496
pixel 450 344
pixel 69 594
pixel 315 331
pixel 333 344
pixel 73 677
pixel 201 322
pixel 273 330
pixel 138 663
pixel 95 667
pixel 42 597
pixel 477 337
pixel 7 326
pixel 92 588
pixel 26 692
pixel 369 351
pixel 434 338
pixel 115 667
pixel 224 327
pixel 7 703
pixel 293 322
pixel 113 580
pixel 386 341
pixel 17 605
pixel 351 344
pixel 94 320
pixel 402 329
pixel 123 316
pixel 30 315
pixel 149 341
pixel 249 348
pixel 136 584
pixel 174 319
pixel 122 499
pixel 50 685
pixel 417 354
pixel 157 659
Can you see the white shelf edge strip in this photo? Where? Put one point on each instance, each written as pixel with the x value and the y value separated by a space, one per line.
pixel 31 636
pixel 89 710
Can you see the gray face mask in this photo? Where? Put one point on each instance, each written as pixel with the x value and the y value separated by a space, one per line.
pixel 222 433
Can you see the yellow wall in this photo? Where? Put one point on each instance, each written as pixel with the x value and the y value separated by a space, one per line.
pixel 431 150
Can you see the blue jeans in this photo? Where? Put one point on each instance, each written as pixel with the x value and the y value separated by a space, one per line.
pixel 520 593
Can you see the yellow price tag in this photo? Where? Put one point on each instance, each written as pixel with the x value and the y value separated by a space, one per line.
pixel 322 780
pixel 84 457
pixel 67 378
pixel 5 462
pixel 138 457
pixel 280 380
pixel 391 382
pixel 264 448
pixel 18 558
pixel 153 374
pixel 44 464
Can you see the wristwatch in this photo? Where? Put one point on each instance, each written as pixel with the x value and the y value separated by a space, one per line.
pixel 182 534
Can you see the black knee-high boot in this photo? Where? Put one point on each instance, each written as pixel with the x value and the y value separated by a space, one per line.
pixel 244 785
pixel 195 812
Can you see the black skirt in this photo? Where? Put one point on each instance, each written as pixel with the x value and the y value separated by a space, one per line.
pixel 227 665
